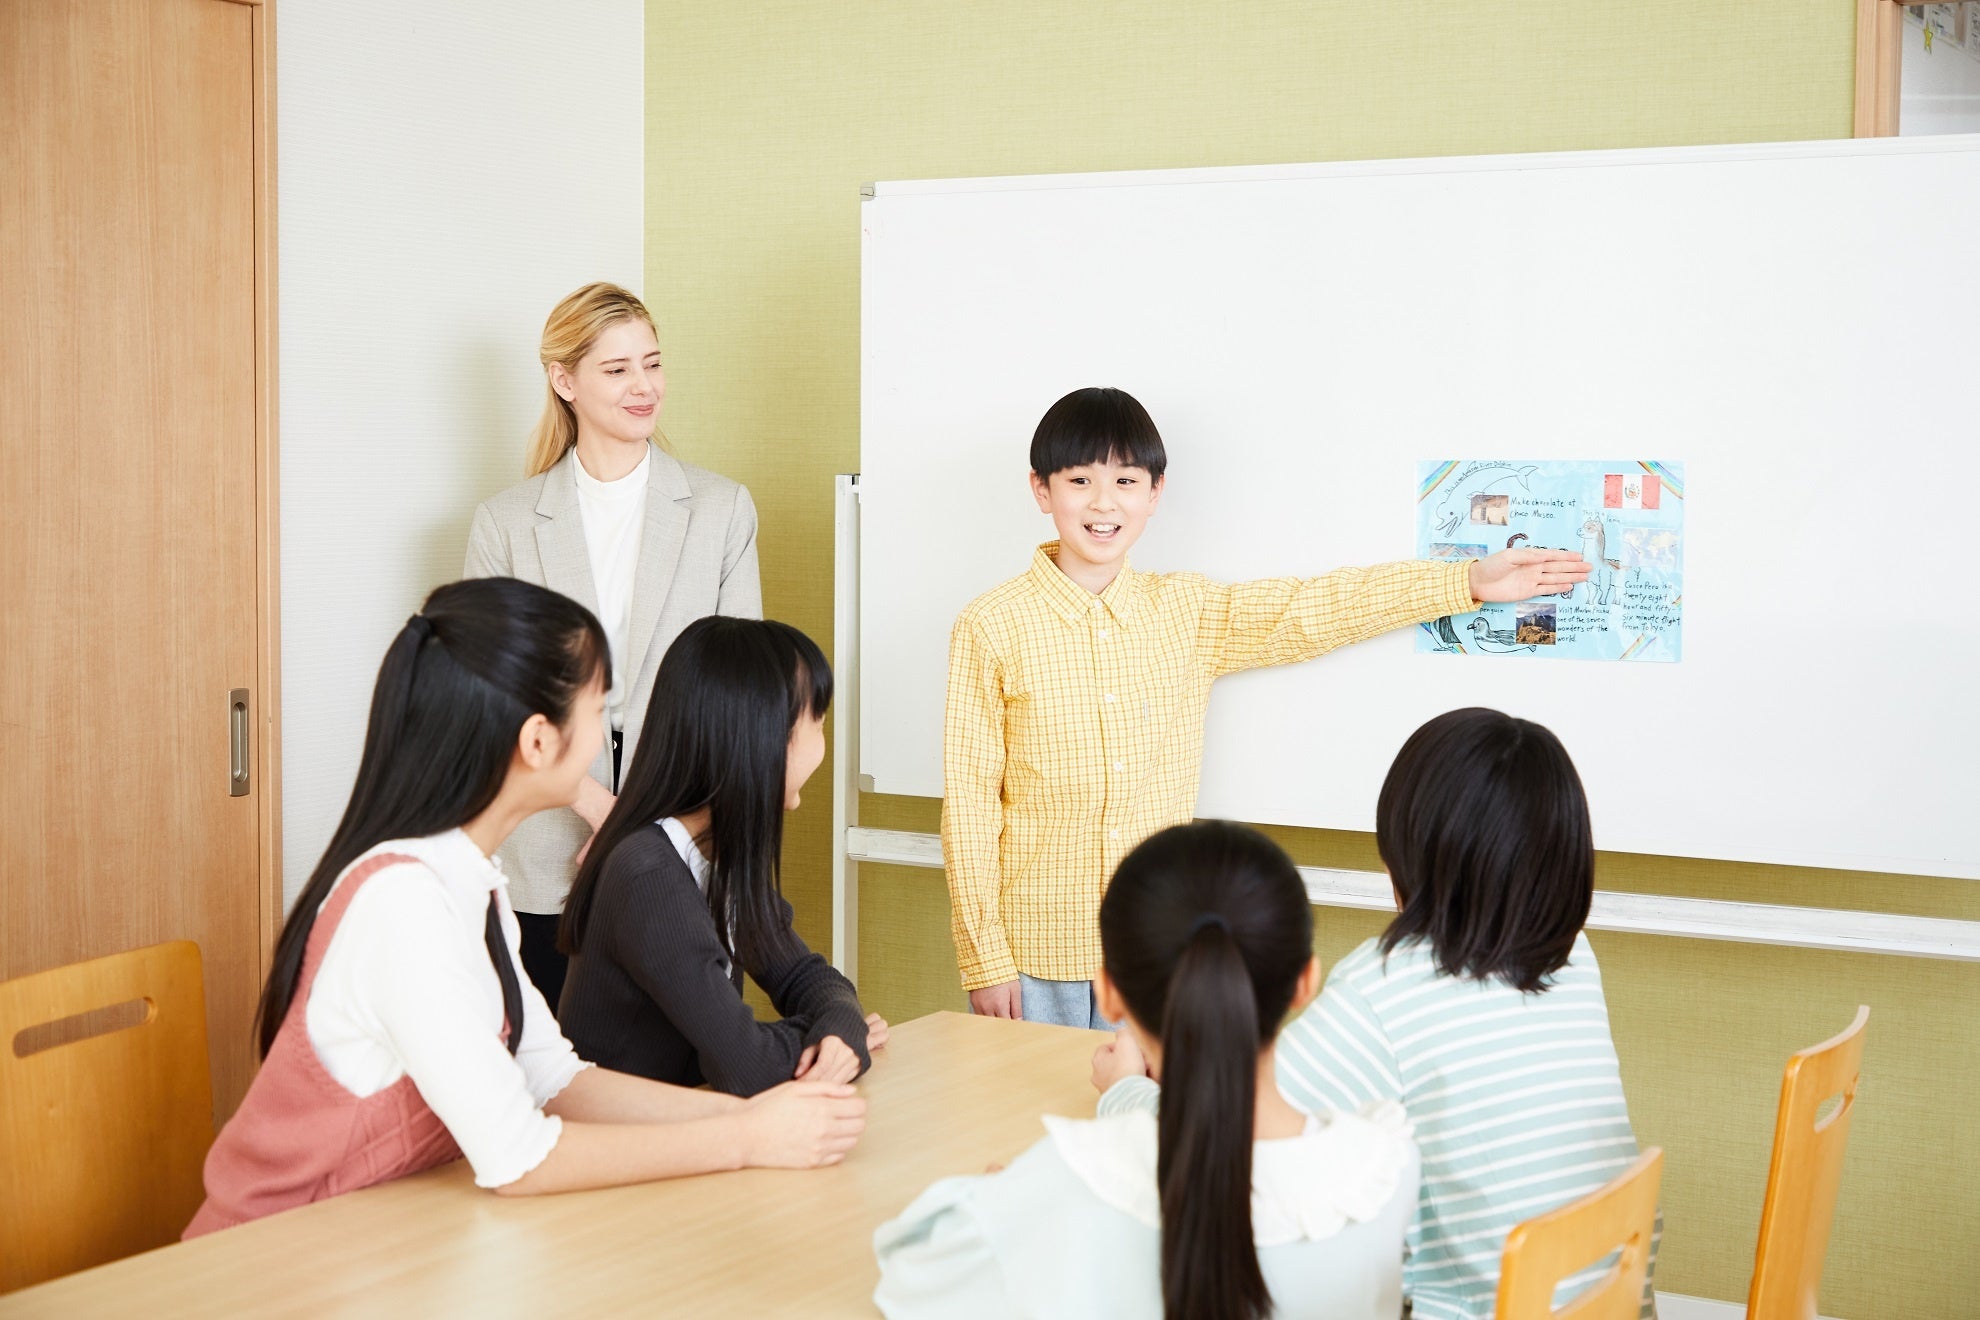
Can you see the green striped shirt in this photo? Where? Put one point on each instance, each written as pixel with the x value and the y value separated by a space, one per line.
pixel 1517 1101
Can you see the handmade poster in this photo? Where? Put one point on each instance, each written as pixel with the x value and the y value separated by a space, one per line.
pixel 1625 518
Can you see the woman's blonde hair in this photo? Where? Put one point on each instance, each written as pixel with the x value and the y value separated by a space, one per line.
pixel 573 327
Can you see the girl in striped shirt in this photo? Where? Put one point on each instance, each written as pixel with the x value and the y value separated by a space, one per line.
pixel 1480 1008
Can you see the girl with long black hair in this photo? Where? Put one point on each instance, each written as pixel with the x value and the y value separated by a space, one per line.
pixel 395 1031
pixel 679 895
pixel 1228 1205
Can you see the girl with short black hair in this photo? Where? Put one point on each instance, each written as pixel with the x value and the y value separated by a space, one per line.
pixel 1479 1009
pixel 1232 1205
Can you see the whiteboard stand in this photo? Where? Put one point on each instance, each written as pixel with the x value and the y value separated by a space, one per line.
pixel 1643 914
pixel 845 722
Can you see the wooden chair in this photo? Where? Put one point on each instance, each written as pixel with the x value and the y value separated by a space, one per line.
pixel 1804 1176
pixel 1619 1217
pixel 106 1110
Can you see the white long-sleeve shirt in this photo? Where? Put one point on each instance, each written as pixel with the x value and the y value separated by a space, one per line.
pixel 407 988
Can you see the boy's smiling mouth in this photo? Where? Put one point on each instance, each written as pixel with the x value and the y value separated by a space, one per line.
pixel 1102 531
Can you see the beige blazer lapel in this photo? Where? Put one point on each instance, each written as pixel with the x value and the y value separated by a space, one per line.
pixel 667 517
pixel 560 536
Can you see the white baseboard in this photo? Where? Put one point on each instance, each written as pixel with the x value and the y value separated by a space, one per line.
pixel 1676 1306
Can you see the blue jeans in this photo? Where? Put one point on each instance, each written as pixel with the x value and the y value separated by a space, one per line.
pixel 1062 1003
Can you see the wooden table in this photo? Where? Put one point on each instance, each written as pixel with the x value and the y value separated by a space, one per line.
pixel 949 1094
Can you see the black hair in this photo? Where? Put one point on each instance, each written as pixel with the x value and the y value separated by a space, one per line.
pixel 1483 825
pixel 1097 425
pixel 455 689
pixel 1205 930
pixel 717 735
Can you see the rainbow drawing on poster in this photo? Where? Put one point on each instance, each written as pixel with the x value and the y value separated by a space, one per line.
pixel 1626 517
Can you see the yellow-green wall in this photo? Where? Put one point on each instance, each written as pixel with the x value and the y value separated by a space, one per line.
pixel 765 117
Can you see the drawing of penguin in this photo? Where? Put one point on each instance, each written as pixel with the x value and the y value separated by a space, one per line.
pixel 1495 642
pixel 1444 635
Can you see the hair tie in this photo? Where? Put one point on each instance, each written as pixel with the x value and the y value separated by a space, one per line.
pixel 1204 923
pixel 421 625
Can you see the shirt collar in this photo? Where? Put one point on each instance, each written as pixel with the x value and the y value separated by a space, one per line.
pixel 1343 1169
pixel 1073 602
pixel 633 483
pixel 456 860
pixel 698 864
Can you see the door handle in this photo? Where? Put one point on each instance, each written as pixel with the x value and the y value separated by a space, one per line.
pixel 237 740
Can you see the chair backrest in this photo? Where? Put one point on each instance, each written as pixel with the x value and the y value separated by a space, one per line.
pixel 106 1110
pixel 1619 1217
pixel 1805 1173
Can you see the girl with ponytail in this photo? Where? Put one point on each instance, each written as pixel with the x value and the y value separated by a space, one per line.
pixel 395 1031
pixel 1479 1010
pixel 1227 1205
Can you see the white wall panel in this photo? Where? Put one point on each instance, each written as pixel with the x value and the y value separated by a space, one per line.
pixel 447 171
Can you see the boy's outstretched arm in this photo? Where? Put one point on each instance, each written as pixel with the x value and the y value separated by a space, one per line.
pixel 1277 621
pixel 973 820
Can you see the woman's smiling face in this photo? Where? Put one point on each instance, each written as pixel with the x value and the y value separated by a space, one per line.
pixel 616 388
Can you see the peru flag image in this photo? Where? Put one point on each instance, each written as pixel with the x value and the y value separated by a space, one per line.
pixel 1629 490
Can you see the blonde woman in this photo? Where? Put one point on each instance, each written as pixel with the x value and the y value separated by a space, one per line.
pixel 612 520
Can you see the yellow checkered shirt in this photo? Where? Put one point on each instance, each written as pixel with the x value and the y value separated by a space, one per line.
pixel 1074 730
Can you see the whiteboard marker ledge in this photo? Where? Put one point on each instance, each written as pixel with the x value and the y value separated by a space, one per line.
pixel 1637 914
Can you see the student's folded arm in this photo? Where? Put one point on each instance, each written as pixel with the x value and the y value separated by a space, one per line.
pixel 741 594
pixel 487 552
pixel 669 947
pixel 1278 621
pixel 935 1260
pixel 803 986
pixel 1129 1095
pixel 1336 1055
pixel 972 806
pixel 599 1095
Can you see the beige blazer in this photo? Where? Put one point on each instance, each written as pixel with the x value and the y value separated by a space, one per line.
pixel 697 556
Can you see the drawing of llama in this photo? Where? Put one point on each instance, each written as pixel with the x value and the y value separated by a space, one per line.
pixel 1605 575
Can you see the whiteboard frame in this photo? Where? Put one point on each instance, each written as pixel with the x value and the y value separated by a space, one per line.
pixel 1871 855
pixel 1637 157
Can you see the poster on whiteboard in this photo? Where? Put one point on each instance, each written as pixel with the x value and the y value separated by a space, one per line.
pixel 1625 517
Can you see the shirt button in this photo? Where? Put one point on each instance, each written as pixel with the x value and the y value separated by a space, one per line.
pixel 1120 765
pixel 1113 834
pixel 1110 698
pixel 1103 634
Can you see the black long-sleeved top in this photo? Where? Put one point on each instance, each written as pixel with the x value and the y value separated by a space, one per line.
pixel 648 993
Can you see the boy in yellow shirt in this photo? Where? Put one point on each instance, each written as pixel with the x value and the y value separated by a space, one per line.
pixel 1077 690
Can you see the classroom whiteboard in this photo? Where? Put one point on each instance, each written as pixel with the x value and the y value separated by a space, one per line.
pixel 1782 320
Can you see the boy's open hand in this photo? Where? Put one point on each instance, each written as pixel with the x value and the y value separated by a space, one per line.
pixel 1521 574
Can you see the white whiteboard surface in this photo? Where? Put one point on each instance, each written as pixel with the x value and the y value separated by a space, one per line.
pixel 1304 335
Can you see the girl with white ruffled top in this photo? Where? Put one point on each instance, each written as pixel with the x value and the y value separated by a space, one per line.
pixel 1228 1204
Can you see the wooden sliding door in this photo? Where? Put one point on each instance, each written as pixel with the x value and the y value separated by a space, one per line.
pixel 136 522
